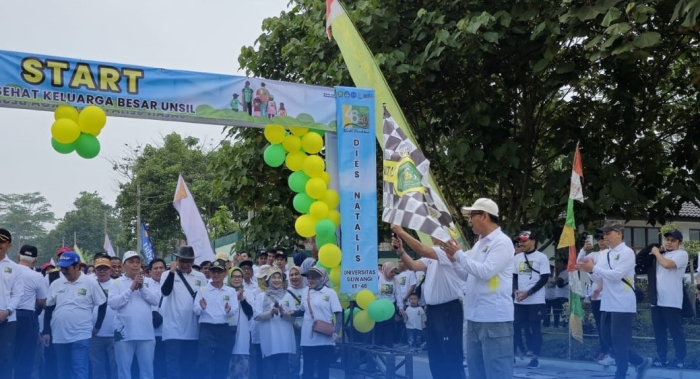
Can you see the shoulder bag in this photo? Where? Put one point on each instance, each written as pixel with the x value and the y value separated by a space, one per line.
pixel 319 326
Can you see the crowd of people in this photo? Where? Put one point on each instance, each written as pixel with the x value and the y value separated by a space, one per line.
pixel 122 318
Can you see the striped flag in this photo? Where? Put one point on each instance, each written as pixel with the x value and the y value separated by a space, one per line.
pixel 365 73
pixel 408 199
pixel 108 246
pixel 568 239
pixel 192 223
pixel 80 253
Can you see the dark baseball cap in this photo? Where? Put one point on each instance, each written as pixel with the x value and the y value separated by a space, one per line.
pixel 611 225
pixel 675 234
pixel 5 236
pixel 28 251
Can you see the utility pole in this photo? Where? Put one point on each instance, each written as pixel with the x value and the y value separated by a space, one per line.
pixel 105 223
pixel 75 239
pixel 138 217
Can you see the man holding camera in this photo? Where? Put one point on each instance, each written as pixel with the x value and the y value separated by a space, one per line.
pixel 133 333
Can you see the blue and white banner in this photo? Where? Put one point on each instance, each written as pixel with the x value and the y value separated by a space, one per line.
pixel 41 82
pixel 146 246
pixel 357 181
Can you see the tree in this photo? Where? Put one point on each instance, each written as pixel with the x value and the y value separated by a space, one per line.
pixel 86 223
pixel 25 216
pixel 498 93
pixel 156 168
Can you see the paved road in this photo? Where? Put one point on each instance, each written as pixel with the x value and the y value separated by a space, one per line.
pixel 556 369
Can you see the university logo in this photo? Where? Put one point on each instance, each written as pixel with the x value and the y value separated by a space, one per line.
pixel 8 270
pixel 355 117
pixel 82 291
pixel 226 297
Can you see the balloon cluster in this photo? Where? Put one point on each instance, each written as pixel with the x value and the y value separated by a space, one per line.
pixel 373 310
pixel 298 150
pixel 73 131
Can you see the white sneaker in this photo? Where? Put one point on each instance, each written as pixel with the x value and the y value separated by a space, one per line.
pixel 607 361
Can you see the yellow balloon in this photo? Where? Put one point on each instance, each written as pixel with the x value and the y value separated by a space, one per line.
pixel 298 130
pixel 312 143
pixel 314 166
pixel 316 188
pixel 331 198
pixel 329 255
pixel 65 131
pixel 364 298
pixel 362 322
pixel 274 133
pixel 295 160
pixel 65 111
pixel 92 119
pixel 335 276
pixel 305 226
pixel 334 216
pixel 291 143
pixel 318 210
pixel 326 177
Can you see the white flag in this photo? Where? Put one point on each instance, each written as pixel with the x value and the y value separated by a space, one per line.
pixel 108 247
pixel 192 223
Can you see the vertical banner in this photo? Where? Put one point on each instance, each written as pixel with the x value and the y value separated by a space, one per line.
pixel 357 183
pixel 146 246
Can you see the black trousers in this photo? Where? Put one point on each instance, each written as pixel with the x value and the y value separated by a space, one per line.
pixel 384 333
pixel 671 319
pixel 276 366
pixel 317 359
pixel 8 331
pixel 159 359
pixel 25 343
pixel 444 339
pixel 215 345
pixel 529 318
pixel 619 326
pixel 178 359
pixel 604 345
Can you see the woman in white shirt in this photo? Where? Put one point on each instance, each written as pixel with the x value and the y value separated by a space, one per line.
pixel 275 325
pixel 239 367
pixel 320 304
pixel 298 290
pixel 388 289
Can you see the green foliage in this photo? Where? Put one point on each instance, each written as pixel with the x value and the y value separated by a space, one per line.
pixel 156 168
pixel 498 93
pixel 221 223
pixel 25 216
pixel 86 223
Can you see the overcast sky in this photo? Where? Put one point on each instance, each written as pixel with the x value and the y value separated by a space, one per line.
pixel 203 35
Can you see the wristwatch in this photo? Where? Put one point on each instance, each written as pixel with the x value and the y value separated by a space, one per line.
pixel 10 312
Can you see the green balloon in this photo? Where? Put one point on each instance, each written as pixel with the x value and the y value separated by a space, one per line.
pixel 302 202
pixel 323 239
pixel 354 312
pixel 381 310
pixel 274 155
pixel 87 146
pixel 297 181
pixel 63 148
pixel 325 228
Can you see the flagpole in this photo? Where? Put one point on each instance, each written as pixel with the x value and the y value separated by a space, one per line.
pixel 138 217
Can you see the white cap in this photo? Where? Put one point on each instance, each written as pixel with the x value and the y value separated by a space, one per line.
pixel 485 205
pixel 130 254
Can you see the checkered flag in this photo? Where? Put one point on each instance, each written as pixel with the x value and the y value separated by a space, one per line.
pixel 408 197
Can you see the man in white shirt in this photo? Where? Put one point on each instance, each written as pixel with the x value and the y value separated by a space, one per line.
pixel 68 317
pixel 180 327
pixel 442 291
pixel 667 314
pixel 593 291
pixel 11 290
pixel 133 328
pixel 33 300
pixel 616 271
pixel 157 268
pixel 489 301
pixel 531 272
pixel 102 360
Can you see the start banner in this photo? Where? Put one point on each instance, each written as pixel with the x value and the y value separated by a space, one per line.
pixel 40 82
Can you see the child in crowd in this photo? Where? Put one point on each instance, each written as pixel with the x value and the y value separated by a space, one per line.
pixel 415 323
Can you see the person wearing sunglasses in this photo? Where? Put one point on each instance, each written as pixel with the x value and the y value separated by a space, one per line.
pixel 531 272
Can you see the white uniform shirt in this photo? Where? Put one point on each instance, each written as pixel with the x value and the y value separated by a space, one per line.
pixel 528 275
pixel 490 282
pixel 324 303
pixel 133 319
pixel 619 297
pixel 442 284
pixel 276 333
pixel 11 287
pixel 669 282
pixel 415 317
pixel 562 292
pixel 216 298
pixel 72 319
pixel 300 294
pixel 35 288
pixel 156 287
pixel 389 289
pixel 179 321
pixel 107 328
pixel 242 345
pixel 405 280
